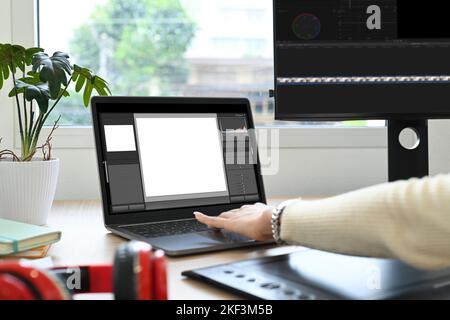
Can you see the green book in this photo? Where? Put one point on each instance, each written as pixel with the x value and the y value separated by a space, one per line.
pixel 17 236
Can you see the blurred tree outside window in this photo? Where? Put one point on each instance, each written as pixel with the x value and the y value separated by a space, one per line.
pixel 167 48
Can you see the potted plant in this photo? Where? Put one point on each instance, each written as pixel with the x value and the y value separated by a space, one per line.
pixel 28 179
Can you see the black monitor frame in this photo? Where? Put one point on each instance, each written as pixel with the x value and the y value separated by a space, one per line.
pixel 404 104
pixel 386 55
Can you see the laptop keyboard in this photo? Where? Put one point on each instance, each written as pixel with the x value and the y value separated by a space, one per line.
pixel 153 230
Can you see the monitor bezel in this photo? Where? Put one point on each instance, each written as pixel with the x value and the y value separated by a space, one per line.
pixel 347 116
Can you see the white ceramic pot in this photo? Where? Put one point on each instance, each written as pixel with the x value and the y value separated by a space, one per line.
pixel 27 190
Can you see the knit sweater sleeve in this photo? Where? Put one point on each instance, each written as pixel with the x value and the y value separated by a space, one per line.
pixel 409 220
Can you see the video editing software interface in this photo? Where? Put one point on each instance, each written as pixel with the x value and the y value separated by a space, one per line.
pixel 359 57
pixel 161 161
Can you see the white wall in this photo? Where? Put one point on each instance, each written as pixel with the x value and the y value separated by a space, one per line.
pixel 439 146
pixel 6 105
pixel 313 162
pixel 329 171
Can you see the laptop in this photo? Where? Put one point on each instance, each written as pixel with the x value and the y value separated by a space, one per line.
pixel 161 159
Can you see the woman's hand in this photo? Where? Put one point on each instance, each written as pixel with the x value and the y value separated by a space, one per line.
pixel 252 221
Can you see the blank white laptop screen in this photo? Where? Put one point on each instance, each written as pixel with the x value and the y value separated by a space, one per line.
pixel 181 156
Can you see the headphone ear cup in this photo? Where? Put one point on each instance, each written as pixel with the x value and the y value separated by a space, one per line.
pixel 144 276
pixel 13 288
pixel 138 274
pixel 124 282
pixel 21 282
pixel 159 276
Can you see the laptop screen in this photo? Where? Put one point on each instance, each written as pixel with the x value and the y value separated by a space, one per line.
pixel 157 161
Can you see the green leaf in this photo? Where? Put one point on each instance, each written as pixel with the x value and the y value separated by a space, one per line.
pixel 80 83
pixel 75 77
pixel 87 93
pixel 53 70
pixel 6 72
pixel 64 93
pixel 39 92
pixel 29 53
pixel 32 78
pixel 13 57
pixel 1 78
pixel 85 78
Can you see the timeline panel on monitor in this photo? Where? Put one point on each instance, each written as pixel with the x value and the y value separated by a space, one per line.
pixel 348 59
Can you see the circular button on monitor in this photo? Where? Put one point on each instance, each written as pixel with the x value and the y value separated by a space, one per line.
pixel 306 26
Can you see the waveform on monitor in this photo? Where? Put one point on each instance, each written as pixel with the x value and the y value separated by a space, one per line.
pixel 362 80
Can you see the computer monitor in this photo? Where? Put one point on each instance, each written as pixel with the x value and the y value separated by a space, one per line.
pixel 358 59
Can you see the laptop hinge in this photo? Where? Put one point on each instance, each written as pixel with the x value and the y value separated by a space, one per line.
pixel 105 166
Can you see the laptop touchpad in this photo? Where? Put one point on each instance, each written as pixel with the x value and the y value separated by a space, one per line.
pixel 222 236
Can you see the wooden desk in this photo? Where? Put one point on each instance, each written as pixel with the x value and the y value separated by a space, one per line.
pixel 86 241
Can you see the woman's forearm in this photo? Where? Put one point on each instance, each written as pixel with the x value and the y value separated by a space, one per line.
pixel 409 220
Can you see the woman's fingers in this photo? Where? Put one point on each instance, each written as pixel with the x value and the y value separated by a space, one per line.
pixel 229 214
pixel 250 221
pixel 212 222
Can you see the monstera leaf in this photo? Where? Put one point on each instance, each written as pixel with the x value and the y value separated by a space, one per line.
pixel 32 78
pixel 13 57
pixel 85 78
pixel 34 91
pixel 53 70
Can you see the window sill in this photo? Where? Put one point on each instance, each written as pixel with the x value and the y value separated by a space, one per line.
pixel 290 137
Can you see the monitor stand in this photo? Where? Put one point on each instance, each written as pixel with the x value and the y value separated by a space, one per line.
pixel 406 163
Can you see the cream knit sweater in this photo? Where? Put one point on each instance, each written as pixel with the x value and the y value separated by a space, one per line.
pixel 408 220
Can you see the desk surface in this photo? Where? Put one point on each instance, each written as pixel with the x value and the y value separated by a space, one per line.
pixel 86 241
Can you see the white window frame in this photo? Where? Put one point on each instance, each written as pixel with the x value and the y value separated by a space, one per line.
pixel 25 32
pixel 6 104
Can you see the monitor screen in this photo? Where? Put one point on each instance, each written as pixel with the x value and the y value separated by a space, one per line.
pixel 358 59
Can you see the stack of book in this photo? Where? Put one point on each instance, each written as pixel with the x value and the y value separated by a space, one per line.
pixel 20 240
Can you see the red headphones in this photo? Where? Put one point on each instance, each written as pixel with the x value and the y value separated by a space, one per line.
pixel 137 274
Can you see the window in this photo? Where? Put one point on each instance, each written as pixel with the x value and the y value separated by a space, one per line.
pixel 166 47
pixel 304 150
